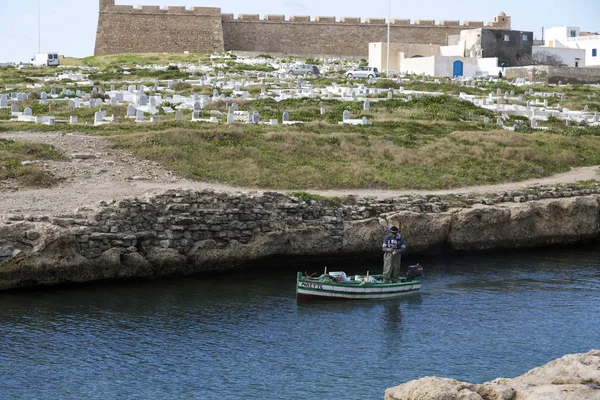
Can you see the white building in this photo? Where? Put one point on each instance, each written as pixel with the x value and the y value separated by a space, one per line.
pixel 571 37
pixel 431 60
pixel 570 57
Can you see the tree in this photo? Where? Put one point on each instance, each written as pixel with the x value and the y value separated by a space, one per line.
pixel 541 58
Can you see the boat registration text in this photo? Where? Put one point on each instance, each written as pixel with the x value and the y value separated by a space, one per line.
pixel 311 285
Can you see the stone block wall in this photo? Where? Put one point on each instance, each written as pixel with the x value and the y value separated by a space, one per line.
pixel 344 38
pixel 555 74
pixel 186 231
pixel 147 29
pixel 151 29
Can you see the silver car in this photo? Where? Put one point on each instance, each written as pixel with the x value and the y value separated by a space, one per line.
pixel 363 72
pixel 302 69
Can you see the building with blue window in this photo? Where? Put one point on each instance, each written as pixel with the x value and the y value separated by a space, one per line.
pixel 571 37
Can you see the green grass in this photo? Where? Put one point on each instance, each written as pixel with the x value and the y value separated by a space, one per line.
pixel 294 158
pixel 119 60
pixel 428 143
pixel 13 153
pixel 332 202
pixel 116 74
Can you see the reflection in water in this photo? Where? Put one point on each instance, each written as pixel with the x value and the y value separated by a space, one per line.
pixel 243 335
pixel 392 318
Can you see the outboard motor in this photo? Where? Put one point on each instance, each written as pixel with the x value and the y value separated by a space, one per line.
pixel 414 271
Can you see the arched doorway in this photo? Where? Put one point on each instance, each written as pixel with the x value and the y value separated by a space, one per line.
pixel 458 68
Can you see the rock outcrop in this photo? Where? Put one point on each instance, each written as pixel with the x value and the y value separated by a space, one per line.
pixel 573 377
pixel 182 232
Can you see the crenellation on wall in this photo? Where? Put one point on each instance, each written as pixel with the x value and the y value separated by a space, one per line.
pixel 249 17
pixel 473 24
pixel 172 10
pixel 106 4
pixel 325 19
pixel 400 21
pixel 353 20
pixel 274 18
pixel 426 22
pixel 449 23
pixel 300 18
pixel 350 20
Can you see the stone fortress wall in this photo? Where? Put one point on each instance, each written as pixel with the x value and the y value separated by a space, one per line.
pixel 151 29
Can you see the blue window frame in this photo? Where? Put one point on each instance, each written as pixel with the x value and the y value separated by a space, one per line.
pixel 594 52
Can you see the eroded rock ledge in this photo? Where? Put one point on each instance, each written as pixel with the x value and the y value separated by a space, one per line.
pixel 572 377
pixel 186 231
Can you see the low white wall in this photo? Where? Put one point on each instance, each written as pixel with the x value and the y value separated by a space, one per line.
pixel 377 58
pixel 443 66
pixel 488 66
pixel 568 55
pixel 458 50
pixel 419 66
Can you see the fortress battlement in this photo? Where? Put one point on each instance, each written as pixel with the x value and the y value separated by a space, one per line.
pixel 148 29
pixel 305 19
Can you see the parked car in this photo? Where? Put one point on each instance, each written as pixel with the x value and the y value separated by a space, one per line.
pixel 302 69
pixel 363 72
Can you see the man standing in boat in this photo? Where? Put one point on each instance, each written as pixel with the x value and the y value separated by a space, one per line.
pixel 393 247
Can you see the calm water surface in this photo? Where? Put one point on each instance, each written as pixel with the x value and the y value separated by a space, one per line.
pixel 244 337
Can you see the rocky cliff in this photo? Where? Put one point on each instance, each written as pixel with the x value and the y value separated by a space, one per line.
pixel 573 377
pixel 184 231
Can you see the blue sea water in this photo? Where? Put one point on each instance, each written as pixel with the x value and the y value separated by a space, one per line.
pixel 243 336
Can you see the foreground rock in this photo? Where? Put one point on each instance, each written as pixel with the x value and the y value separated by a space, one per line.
pixel 181 232
pixel 573 377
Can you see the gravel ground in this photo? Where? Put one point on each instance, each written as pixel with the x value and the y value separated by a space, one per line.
pixel 95 172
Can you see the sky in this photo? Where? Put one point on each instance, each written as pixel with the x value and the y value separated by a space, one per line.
pixel 69 26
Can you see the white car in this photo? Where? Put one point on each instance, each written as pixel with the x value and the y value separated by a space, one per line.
pixel 363 72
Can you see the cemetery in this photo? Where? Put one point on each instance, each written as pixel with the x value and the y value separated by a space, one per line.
pixel 246 121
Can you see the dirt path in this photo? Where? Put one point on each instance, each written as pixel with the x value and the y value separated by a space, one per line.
pixel 96 172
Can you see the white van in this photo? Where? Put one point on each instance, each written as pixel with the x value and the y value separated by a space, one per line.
pixel 45 60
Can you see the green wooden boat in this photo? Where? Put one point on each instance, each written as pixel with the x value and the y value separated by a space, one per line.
pixel 338 286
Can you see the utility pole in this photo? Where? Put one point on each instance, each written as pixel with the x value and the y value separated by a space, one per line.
pixel 39 30
pixel 388 39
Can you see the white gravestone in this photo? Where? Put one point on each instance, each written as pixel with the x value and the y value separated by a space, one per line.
pixel 143 100
pixel 131 111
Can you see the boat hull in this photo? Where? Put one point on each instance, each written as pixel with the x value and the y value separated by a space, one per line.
pixel 308 290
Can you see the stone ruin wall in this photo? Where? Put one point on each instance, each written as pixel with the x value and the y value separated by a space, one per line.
pixel 186 231
pixel 555 75
pixel 151 29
